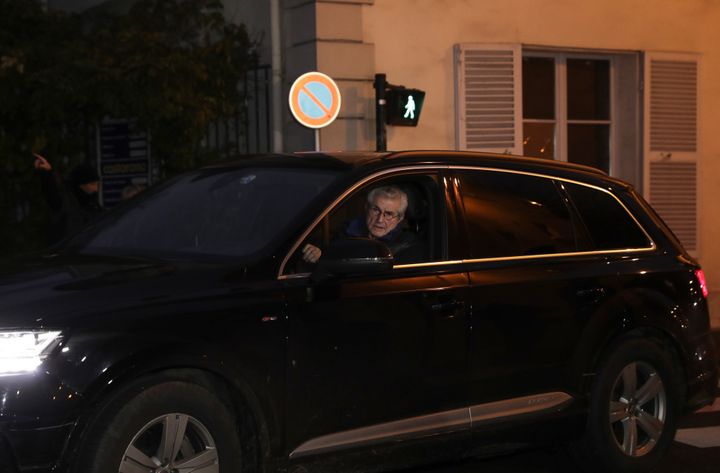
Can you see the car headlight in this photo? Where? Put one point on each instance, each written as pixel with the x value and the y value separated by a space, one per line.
pixel 22 351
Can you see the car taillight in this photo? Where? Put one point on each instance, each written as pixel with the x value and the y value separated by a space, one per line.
pixel 700 275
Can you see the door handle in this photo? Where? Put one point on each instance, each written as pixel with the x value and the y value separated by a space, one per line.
pixel 449 307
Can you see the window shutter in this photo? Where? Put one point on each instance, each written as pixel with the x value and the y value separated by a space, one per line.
pixel 671 141
pixel 488 97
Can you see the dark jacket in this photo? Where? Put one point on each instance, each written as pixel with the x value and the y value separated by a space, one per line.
pixel 70 207
pixel 405 245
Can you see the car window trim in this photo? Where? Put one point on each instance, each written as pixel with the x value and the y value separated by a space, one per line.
pixel 465 418
pixel 341 198
pixel 582 233
pixel 652 245
pixel 650 248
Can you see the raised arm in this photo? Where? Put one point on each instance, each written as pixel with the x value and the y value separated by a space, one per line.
pixel 49 185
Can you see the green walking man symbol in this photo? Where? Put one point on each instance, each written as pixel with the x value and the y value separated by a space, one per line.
pixel 410 108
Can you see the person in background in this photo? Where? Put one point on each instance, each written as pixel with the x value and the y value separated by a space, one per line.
pixel 74 203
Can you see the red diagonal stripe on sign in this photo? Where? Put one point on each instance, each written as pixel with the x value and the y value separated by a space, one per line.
pixel 316 100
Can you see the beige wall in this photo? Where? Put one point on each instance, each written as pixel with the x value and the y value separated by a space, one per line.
pixel 710 146
pixel 413 42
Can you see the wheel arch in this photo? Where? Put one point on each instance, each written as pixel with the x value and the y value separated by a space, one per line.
pixel 163 362
pixel 633 312
pixel 645 350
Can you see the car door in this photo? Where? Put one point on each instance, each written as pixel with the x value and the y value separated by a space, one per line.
pixel 379 358
pixel 530 294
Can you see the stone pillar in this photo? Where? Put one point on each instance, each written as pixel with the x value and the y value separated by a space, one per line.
pixel 327 36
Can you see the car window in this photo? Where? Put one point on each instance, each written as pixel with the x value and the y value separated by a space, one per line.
pixel 216 212
pixel 373 211
pixel 609 224
pixel 511 214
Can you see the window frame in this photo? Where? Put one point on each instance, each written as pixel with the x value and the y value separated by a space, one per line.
pixel 581 217
pixel 440 209
pixel 442 171
pixel 576 218
pixel 561 120
pixel 466 175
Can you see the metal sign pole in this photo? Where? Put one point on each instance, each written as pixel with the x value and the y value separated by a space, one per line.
pixel 317 139
pixel 380 131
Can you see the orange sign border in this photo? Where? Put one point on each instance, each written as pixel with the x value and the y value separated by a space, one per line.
pixel 294 100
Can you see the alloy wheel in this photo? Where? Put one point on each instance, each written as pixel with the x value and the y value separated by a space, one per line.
pixel 173 443
pixel 638 407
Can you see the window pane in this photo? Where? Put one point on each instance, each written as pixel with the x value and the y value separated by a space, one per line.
pixel 588 89
pixel 210 211
pixel 538 87
pixel 589 145
pixel 414 237
pixel 539 140
pixel 512 215
pixel 609 224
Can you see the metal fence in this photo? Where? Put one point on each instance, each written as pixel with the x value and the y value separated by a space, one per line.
pixel 23 214
pixel 249 130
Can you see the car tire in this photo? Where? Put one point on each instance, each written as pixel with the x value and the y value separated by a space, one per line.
pixel 634 405
pixel 170 424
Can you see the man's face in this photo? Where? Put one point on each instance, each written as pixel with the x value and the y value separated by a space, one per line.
pixel 382 216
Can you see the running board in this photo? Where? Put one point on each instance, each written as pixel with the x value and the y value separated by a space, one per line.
pixel 431 424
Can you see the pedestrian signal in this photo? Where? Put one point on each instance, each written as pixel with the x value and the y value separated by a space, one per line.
pixel 404 106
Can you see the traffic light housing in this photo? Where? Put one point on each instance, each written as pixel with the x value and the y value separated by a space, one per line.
pixel 403 105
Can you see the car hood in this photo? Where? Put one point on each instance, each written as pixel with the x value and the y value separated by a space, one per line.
pixel 51 290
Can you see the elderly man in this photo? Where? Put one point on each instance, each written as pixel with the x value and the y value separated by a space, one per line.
pixel 384 211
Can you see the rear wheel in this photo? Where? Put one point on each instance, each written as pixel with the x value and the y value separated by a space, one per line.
pixel 633 410
pixel 638 409
pixel 172 426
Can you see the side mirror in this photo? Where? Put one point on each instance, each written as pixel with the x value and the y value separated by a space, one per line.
pixel 353 256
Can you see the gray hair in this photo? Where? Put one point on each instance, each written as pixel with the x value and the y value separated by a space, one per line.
pixel 389 192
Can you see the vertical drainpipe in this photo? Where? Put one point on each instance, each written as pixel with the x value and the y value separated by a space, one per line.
pixel 277 99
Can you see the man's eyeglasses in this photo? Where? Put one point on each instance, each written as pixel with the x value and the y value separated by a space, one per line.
pixel 388 215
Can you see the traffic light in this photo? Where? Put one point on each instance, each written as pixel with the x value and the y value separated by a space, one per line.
pixel 403 105
pixel 394 105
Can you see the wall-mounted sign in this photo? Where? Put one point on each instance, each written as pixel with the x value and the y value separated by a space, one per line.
pixel 124 158
pixel 314 100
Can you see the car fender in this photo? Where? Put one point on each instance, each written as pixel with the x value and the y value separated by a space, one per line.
pixel 123 359
pixel 633 309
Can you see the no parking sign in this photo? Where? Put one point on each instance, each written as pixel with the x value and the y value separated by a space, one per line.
pixel 314 100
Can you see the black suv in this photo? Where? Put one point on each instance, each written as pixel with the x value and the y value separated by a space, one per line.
pixel 355 312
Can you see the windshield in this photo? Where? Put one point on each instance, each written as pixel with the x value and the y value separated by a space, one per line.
pixel 211 212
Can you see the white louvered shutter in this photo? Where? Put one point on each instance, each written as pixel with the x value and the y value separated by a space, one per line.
pixel 488 97
pixel 671 141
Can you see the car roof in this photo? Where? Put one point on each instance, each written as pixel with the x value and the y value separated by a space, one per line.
pixel 370 160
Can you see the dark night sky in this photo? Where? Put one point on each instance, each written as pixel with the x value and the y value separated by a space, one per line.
pixel 79 5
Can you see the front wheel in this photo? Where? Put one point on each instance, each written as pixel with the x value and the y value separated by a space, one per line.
pixel 172 443
pixel 633 409
pixel 172 426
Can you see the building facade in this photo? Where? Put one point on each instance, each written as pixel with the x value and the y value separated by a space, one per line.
pixel 625 85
